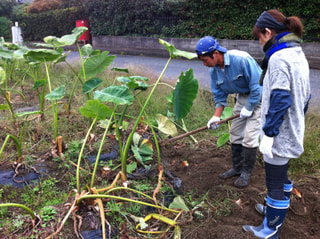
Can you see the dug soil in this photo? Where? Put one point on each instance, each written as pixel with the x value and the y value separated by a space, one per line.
pixel 206 162
pixel 224 207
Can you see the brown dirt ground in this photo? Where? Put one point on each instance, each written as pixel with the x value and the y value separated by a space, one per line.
pixel 206 162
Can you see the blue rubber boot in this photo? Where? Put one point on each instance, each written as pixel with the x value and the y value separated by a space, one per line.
pixel 273 221
pixel 287 188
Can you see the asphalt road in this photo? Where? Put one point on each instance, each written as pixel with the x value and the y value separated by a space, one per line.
pixel 201 73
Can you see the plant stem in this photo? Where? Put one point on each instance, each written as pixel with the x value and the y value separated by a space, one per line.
pixel 128 143
pixel 81 152
pixel 100 149
pixel 124 199
pixel 16 141
pixel 28 210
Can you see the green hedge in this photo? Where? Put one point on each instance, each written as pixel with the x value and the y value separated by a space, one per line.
pixel 224 19
pixel 229 19
pixel 35 27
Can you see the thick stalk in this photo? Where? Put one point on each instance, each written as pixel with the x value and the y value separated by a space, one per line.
pixel 100 149
pixel 28 210
pixel 128 143
pixel 15 140
pixel 81 152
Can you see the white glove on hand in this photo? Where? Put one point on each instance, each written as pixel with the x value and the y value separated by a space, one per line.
pixel 212 123
pixel 266 146
pixel 245 113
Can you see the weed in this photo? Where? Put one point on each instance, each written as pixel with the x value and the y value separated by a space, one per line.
pixel 48 213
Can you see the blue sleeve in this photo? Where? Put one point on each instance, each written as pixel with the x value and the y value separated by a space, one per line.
pixel 219 96
pixel 307 106
pixel 280 101
pixel 252 72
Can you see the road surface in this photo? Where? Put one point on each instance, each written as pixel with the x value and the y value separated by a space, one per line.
pixel 201 73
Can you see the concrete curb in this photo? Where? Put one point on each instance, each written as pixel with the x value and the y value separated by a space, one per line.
pixel 151 47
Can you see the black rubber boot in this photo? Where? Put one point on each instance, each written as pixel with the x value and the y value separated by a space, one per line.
pixel 250 156
pixel 237 161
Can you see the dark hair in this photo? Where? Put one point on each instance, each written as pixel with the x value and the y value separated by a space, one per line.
pixel 210 54
pixel 293 24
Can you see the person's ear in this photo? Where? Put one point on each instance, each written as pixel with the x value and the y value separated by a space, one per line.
pixel 268 33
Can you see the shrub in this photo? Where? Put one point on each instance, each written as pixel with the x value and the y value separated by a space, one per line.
pixel 5 27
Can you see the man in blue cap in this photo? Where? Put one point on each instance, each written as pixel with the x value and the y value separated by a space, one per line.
pixel 235 72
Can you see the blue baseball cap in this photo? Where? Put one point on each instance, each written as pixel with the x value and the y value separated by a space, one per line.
pixel 208 44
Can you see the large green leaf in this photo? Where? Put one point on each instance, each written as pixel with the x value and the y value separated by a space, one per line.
pixel 86 50
pixel 19 54
pixel 223 139
pixel 95 109
pixel 91 84
pixel 175 52
pixel 42 55
pixel 57 93
pixel 62 57
pixel 97 64
pixel 119 95
pixel 39 83
pixel 184 94
pixel 166 126
pixel 227 112
pixel 6 54
pixel 66 40
pixel 134 82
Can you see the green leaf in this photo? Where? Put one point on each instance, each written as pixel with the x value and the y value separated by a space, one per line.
pixel 95 109
pixel 62 57
pixel 97 64
pixel 135 150
pixel 175 52
pixel 223 139
pixel 119 95
pixel 43 45
pixel 227 112
pixel 57 94
pixel 39 83
pixel 91 84
pixel 42 55
pixel 166 126
pixel 184 94
pixel 66 40
pixel 120 69
pixel 86 50
pixel 6 54
pixel 178 203
pixel 4 107
pixel 29 113
pixel 146 148
pixel 132 82
pixel 131 167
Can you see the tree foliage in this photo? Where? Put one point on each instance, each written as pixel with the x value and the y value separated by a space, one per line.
pixel 224 19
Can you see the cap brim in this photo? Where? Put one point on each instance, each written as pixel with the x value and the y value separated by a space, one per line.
pixel 222 49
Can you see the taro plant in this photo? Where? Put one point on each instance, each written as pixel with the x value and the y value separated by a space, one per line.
pixel 96 109
pixel 10 54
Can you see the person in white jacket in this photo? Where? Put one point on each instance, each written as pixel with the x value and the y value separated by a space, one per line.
pixel 285 97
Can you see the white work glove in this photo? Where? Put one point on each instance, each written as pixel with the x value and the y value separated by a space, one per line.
pixel 266 146
pixel 245 113
pixel 212 123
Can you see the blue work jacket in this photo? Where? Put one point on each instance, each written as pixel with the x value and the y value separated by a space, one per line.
pixel 241 74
